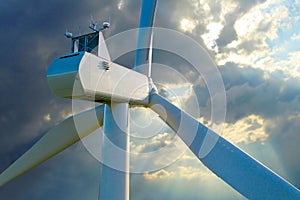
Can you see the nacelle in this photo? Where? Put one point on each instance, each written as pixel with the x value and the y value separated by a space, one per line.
pixel 83 75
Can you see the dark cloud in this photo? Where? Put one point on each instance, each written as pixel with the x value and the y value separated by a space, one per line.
pixel 234 76
pixel 285 143
pixel 249 92
pixel 72 174
pixel 227 35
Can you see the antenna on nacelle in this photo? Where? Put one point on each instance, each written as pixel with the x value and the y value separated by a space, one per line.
pixel 78 30
pixel 93 24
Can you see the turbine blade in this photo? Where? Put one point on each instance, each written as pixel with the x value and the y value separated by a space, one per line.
pixel 242 172
pixel 56 140
pixel 144 56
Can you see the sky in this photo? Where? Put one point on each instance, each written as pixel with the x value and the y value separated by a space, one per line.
pixel 254 44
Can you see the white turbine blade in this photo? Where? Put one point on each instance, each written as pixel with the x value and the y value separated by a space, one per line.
pixel 245 174
pixel 56 140
pixel 145 35
pixel 150 55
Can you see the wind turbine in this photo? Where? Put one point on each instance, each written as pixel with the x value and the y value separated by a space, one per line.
pixel 82 68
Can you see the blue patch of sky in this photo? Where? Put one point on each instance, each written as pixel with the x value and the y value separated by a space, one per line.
pixel 289 28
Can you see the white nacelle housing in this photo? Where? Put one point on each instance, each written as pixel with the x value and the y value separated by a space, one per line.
pixel 83 75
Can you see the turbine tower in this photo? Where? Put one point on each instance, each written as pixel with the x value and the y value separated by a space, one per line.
pixel 82 68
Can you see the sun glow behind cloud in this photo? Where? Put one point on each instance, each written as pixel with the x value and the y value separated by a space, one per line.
pixel 47 118
pixel 121 4
pixel 246 130
pixel 189 179
pixel 209 38
pixel 187 25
